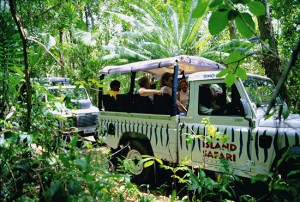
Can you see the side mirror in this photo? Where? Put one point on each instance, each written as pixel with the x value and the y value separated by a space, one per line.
pixel 91 99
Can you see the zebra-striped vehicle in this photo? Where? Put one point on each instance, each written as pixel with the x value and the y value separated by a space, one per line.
pixel 243 135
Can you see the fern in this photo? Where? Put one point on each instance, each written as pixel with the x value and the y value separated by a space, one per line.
pixel 11 69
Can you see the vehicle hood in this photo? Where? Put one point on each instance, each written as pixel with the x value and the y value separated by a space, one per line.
pixel 82 104
pixel 293 121
pixel 61 109
pixel 92 109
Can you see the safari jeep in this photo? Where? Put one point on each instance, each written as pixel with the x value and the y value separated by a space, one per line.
pixel 72 103
pixel 253 145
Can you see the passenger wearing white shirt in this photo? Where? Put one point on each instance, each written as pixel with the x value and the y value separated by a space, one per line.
pixel 183 95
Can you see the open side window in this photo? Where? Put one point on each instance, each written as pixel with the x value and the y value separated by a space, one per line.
pixel 218 99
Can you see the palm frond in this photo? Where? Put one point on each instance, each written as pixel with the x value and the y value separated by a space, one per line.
pixel 156 34
pixel 123 50
pixel 11 64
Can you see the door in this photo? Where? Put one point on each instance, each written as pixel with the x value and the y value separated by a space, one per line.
pixel 225 134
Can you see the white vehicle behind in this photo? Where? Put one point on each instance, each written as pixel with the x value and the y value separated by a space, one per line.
pixel 73 104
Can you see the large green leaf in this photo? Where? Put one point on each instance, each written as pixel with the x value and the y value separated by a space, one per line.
pixel 241 73
pixel 217 22
pixel 81 163
pixel 257 8
pixel 195 183
pixel 223 72
pixel 54 188
pixel 245 24
pixel 215 3
pixel 148 163
pixel 74 141
pixel 233 58
pixel 230 79
pixel 200 9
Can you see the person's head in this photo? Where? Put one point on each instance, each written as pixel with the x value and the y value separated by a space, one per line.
pixel 205 96
pixel 166 79
pixel 115 85
pixel 144 82
pixel 183 84
pixel 216 91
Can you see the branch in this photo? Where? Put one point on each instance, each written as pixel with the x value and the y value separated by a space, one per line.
pixel 47 50
pixel 284 76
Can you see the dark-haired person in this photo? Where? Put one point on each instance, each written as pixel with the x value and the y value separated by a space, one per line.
pixel 114 88
pixel 145 90
pixel 166 83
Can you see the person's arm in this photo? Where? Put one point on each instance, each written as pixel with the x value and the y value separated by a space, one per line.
pixel 204 110
pixel 147 92
pixel 180 106
pixel 222 109
pixel 178 95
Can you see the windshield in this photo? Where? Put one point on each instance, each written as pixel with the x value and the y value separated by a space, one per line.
pixel 260 91
pixel 72 93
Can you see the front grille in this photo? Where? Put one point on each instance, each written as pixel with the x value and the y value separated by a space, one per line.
pixel 86 120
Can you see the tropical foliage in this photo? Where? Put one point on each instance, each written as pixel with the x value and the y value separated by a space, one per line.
pixel 155 34
pixel 77 38
pixel 11 63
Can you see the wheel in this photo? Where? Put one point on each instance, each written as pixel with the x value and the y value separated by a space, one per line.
pixel 134 152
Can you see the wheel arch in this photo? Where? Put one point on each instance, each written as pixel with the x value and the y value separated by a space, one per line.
pixel 287 163
pixel 127 136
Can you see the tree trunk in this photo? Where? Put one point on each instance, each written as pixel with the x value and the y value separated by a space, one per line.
pixel 26 64
pixel 61 56
pixel 91 17
pixel 232 30
pixel 271 60
pixel 86 17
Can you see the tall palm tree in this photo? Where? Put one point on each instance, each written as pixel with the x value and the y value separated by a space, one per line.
pixel 155 33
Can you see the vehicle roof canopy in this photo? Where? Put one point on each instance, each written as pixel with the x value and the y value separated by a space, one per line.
pixel 53 80
pixel 188 64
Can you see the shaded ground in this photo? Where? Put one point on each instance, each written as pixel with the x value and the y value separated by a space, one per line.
pixel 166 185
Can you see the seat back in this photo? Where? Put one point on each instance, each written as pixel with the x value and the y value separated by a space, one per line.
pixel 109 103
pixel 163 104
pixel 124 103
pixel 143 104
